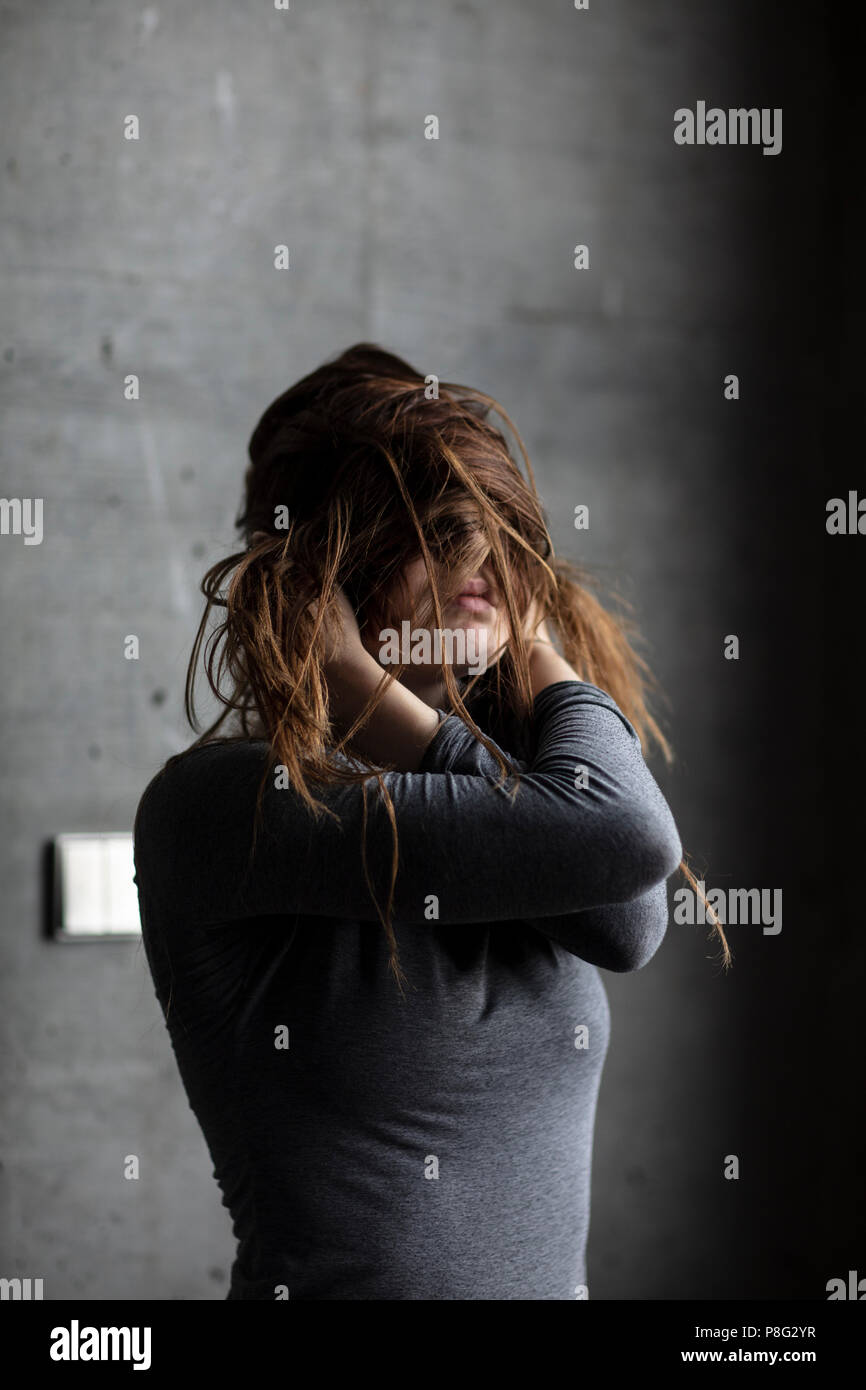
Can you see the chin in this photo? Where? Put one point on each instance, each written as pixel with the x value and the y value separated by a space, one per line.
pixel 466 619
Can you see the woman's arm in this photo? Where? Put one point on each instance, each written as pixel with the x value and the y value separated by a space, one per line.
pixel 401 727
pixel 555 849
pixel 619 936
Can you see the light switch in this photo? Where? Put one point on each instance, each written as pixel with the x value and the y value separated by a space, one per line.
pixel 94 892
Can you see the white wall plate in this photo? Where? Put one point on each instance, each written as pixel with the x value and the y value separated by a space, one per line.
pixel 94 893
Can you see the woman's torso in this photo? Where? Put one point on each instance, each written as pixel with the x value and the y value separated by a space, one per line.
pixel 371 1146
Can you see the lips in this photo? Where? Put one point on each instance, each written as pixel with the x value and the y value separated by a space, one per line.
pixel 473 603
pixel 475 597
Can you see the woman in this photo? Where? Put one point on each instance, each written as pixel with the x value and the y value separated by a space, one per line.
pixel 375 908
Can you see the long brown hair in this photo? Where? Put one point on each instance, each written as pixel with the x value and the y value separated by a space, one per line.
pixel 358 467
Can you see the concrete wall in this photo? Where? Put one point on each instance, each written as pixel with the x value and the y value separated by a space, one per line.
pixel 155 257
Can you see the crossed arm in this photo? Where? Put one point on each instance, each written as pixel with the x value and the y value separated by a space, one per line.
pixel 620 935
pixel 584 864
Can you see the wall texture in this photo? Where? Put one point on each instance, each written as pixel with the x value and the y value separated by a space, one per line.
pixel 155 257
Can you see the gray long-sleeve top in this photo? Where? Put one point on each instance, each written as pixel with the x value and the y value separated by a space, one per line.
pixel 436 1146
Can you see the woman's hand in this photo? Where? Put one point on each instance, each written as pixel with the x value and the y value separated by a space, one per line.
pixel 535 629
pixel 400 728
pixel 546 665
pixel 342 636
pixel 345 644
pixel 343 648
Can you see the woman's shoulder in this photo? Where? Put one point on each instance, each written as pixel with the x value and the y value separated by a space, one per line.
pixel 199 806
pixel 212 753
pixel 197 771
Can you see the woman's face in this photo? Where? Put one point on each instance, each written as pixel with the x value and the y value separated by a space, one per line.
pixel 475 623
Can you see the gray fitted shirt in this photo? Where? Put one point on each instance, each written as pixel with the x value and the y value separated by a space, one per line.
pixel 436 1146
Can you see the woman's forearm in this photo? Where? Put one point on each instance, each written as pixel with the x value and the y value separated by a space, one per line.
pixel 486 854
pixel 400 729
pixel 547 667
pixel 401 726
